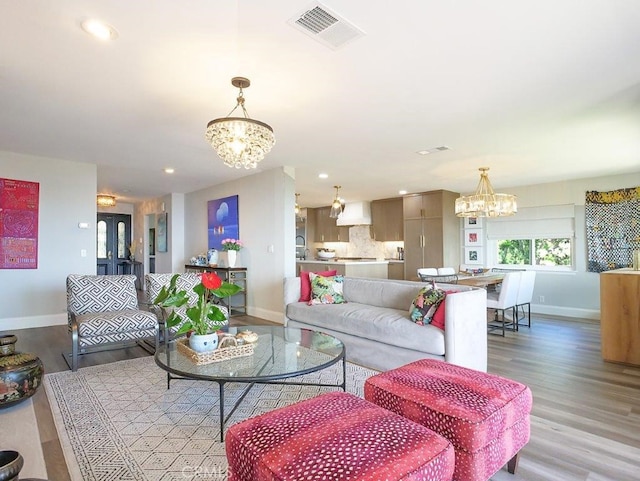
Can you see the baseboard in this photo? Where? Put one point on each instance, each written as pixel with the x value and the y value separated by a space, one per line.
pixel 266 314
pixel 547 310
pixel 9 324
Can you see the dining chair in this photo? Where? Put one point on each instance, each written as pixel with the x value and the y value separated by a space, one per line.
pixel 525 296
pixel 447 279
pixel 427 271
pixel 505 300
pixel 446 271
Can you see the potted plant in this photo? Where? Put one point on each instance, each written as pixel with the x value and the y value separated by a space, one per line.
pixel 204 318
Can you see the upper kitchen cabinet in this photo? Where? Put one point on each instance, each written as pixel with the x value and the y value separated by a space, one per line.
pixel 387 219
pixel 326 229
pixel 431 231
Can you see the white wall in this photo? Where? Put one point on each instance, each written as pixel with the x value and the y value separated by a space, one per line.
pixel 37 297
pixel 267 222
pixel 575 294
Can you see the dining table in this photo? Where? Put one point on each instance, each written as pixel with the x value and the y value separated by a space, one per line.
pixel 482 280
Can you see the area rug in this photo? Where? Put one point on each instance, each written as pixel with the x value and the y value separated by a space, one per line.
pixel 119 421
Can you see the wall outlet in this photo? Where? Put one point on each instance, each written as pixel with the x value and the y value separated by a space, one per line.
pixel 541 298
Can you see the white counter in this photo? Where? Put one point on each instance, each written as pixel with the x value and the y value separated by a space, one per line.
pixel 342 262
pixel 346 267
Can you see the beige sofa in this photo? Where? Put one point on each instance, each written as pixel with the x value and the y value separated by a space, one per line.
pixel 375 327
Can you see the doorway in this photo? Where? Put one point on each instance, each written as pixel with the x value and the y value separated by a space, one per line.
pixel 113 241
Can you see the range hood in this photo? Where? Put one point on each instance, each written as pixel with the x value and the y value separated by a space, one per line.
pixel 355 213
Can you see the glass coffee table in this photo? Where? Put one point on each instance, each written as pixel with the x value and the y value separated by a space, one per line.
pixel 280 353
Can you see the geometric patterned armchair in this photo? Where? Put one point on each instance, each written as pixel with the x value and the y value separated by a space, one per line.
pixel 187 281
pixel 103 313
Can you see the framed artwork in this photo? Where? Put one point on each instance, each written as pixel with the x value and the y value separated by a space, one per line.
pixel 472 255
pixel 152 241
pixel 473 237
pixel 19 207
pixel 472 222
pixel 161 232
pixel 222 221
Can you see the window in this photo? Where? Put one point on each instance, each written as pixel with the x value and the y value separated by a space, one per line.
pixel 548 252
pixel 540 238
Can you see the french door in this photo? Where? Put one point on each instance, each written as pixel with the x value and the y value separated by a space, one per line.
pixel 113 241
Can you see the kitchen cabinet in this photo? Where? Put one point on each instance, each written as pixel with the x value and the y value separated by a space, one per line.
pixel 326 229
pixel 620 316
pixel 395 270
pixel 387 219
pixel 431 231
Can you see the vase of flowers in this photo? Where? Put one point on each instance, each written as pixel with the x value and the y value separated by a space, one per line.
pixel 132 250
pixel 231 246
pixel 205 317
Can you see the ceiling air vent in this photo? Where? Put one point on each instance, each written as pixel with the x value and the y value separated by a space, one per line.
pixel 325 26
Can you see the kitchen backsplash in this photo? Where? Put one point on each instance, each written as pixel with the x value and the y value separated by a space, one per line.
pixel 361 245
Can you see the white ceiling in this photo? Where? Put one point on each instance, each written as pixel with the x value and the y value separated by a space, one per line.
pixel 538 91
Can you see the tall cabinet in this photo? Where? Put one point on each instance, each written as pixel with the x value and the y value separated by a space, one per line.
pixel 431 231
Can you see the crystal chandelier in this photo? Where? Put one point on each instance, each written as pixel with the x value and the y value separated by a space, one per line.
pixel 297 206
pixel 485 202
pixel 240 141
pixel 336 206
pixel 104 200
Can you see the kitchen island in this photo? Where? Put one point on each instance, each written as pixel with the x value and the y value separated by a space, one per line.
pixel 347 267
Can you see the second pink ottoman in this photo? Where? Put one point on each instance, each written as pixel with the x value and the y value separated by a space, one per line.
pixel 336 436
pixel 486 417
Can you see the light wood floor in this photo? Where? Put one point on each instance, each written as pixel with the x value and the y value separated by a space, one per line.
pixel 586 412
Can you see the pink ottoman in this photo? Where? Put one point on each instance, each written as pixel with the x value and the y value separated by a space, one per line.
pixel 486 417
pixel 336 436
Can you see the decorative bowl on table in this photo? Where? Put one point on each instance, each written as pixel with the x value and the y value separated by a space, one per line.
pixel 326 253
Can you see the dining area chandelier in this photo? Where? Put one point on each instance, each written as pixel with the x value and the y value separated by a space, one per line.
pixel 240 141
pixel 485 202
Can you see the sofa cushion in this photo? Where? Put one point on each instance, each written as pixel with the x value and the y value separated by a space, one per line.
pixel 326 290
pixel 424 306
pixel 397 295
pixel 305 283
pixel 381 324
pixel 106 323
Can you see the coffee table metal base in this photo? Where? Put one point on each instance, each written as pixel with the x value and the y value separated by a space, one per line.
pixel 221 384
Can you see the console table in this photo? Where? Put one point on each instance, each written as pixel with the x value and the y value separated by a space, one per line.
pixel 236 304
pixel 135 268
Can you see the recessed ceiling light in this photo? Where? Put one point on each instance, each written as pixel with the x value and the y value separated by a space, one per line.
pixel 169 170
pixel 323 176
pixel 402 192
pixel 99 29
pixel 433 150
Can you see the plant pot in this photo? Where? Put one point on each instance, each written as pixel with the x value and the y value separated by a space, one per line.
pixel 203 342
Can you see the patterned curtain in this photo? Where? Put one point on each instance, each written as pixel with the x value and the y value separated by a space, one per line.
pixel 613 228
